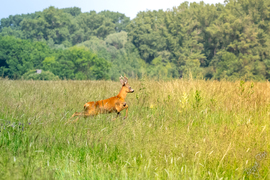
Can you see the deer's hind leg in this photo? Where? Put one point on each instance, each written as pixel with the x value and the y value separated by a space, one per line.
pixel 90 111
pixel 85 115
pixel 75 114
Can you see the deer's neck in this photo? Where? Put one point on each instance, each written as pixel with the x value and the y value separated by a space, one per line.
pixel 122 94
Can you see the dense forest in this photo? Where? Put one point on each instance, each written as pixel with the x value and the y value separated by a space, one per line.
pixel 223 41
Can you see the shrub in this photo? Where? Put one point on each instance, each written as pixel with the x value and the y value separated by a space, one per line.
pixel 44 75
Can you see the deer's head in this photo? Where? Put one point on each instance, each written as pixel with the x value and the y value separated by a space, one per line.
pixel 125 85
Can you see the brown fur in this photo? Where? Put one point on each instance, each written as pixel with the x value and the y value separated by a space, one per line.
pixel 112 104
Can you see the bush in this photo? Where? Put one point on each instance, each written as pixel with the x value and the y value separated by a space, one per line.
pixel 44 75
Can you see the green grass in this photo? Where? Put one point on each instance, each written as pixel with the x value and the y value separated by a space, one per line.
pixel 175 130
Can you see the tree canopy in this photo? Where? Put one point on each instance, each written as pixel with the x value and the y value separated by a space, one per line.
pixel 222 41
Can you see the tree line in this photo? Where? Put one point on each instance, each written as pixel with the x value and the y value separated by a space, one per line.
pixel 222 41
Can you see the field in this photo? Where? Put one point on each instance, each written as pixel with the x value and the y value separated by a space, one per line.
pixel 180 129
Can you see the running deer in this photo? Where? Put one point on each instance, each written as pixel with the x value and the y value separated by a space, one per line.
pixel 113 104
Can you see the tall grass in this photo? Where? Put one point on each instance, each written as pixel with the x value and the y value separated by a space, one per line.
pixel 181 129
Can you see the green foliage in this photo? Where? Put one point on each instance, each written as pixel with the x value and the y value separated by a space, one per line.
pixel 119 19
pixel 77 63
pixel 93 24
pixel 14 21
pixel 67 26
pixel 118 40
pixel 198 99
pixel 44 75
pixel 48 62
pixel 199 35
pixel 74 11
pixel 122 55
pixel 222 41
pixel 18 56
pixel 160 68
pixel 146 31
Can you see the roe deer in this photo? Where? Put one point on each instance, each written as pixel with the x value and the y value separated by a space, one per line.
pixel 113 104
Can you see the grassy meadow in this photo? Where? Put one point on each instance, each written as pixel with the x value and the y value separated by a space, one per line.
pixel 179 129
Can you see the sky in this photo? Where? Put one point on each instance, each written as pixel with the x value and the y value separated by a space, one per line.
pixel 128 7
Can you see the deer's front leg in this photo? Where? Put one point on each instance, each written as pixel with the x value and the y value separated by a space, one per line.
pixel 119 106
pixel 118 113
pixel 126 107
